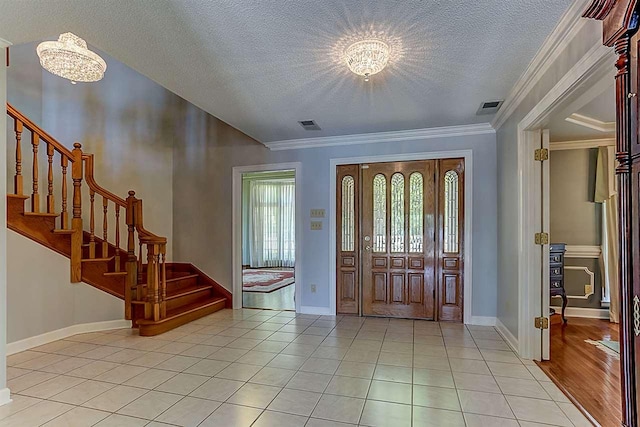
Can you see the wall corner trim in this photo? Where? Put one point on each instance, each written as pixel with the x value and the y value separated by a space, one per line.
pixel 564 32
pixel 507 335
pixel 5 43
pixel 5 396
pixel 483 321
pixel 318 311
pixel 47 337
pixel 379 137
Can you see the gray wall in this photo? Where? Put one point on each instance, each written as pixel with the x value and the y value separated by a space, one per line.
pixel 507 137
pixel 46 294
pixel 575 219
pixel 203 193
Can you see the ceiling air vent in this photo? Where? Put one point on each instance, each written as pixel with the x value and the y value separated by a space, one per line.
pixel 309 125
pixel 489 107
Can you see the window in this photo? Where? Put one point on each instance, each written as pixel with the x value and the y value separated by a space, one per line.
pixel 272 223
pixel 348 213
pixel 451 212
pixel 416 212
pixel 379 213
pixel 397 212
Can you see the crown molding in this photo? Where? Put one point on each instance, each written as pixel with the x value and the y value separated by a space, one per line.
pixel 568 26
pixel 582 144
pixel 591 123
pixel 378 137
pixel 5 43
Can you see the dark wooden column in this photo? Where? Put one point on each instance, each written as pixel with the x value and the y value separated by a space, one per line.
pixel 619 30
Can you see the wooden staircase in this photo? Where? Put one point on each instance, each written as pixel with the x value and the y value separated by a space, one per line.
pixel 158 295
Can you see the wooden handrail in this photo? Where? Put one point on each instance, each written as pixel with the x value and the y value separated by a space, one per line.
pixel 144 235
pixel 17 115
pixel 91 182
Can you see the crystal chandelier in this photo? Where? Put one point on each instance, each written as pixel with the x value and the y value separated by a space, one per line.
pixel 70 58
pixel 367 57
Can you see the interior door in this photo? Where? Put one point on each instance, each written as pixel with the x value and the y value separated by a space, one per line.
pixel 398 239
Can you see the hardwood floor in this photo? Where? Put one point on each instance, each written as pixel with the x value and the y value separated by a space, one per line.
pixel 589 375
pixel 281 299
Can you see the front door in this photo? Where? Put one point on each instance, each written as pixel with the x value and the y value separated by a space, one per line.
pixel 398 239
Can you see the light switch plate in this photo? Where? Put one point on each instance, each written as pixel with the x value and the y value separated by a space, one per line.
pixel 317 213
pixel 316 225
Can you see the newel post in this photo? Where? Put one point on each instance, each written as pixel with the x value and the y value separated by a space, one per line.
pixel 76 222
pixel 132 263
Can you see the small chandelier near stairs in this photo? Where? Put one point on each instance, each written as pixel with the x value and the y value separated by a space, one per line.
pixel 70 58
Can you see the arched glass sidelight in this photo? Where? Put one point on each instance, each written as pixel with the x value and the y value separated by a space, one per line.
pixel 451 204
pixel 348 213
pixel 397 212
pixel 379 213
pixel 416 212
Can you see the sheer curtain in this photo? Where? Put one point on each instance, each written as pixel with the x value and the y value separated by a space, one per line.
pixel 272 223
pixel 605 193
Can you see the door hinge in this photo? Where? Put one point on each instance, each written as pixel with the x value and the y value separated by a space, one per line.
pixel 541 154
pixel 541 322
pixel 541 238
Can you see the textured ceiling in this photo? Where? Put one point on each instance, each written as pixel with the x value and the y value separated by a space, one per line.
pixel 263 65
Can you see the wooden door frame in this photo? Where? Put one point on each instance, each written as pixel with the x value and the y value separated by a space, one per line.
pixel 467 155
pixel 236 226
pixel 581 82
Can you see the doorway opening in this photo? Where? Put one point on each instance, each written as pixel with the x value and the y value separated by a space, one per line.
pixel 569 190
pixel 400 239
pixel 269 240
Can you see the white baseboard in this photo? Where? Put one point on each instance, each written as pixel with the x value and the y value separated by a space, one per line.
pixel 47 337
pixel 483 321
pixel 589 313
pixel 5 396
pixel 507 335
pixel 319 311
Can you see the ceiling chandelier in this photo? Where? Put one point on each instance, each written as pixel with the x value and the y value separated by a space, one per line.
pixel 70 58
pixel 367 57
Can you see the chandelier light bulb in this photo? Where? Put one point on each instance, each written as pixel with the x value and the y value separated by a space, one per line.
pixel 367 57
pixel 70 58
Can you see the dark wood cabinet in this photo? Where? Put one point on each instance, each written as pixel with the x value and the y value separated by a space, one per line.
pixel 556 274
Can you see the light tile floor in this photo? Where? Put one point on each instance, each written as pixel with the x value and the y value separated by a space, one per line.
pixel 270 368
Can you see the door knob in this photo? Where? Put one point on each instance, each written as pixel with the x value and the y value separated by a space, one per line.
pixel 368 248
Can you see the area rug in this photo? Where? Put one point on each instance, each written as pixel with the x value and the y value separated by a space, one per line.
pixel 612 348
pixel 266 280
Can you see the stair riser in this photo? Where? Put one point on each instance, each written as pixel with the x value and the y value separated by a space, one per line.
pixel 178 285
pixel 152 330
pixel 188 299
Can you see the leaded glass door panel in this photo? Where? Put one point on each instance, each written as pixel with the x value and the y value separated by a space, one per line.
pixel 398 239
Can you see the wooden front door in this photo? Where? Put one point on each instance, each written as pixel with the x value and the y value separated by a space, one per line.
pixel 400 229
pixel 398 239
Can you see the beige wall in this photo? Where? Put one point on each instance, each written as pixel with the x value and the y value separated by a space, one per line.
pixel 128 121
pixel 42 299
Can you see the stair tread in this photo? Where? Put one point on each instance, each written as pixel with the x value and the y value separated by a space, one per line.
pixel 45 214
pixel 176 293
pixel 115 273
pixel 179 311
pixel 60 231
pixel 188 276
pixel 98 259
pixel 18 196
